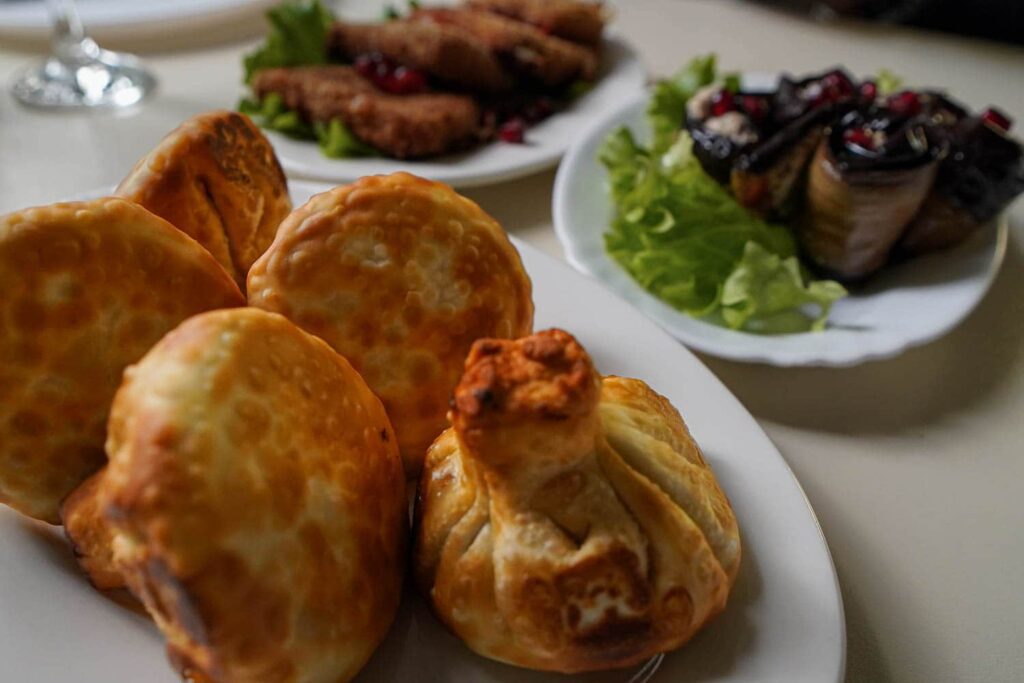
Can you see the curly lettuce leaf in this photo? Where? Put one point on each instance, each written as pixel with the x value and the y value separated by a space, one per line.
pixel 336 141
pixel 272 113
pixel 667 108
pixel 683 237
pixel 297 37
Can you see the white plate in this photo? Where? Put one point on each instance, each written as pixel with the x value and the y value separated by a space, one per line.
pixel 784 621
pixel 902 306
pixel 29 19
pixel 622 78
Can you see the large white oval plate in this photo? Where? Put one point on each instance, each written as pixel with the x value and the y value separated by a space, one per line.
pixel 622 78
pixel 784 621
pixel 902 306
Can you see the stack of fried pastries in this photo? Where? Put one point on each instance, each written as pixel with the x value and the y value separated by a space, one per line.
pixel 241 470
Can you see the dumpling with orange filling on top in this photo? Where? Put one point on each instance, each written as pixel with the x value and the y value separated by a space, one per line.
pixel 569 522
pixel 400 275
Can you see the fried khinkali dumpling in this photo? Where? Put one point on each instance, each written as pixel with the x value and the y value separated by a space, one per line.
pixel 216 178
pixel 568 522
pixel 400 275
pixel 86 288
pixel 256 502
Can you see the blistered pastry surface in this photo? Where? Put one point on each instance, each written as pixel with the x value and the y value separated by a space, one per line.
pixel 400 275
pixel 86 288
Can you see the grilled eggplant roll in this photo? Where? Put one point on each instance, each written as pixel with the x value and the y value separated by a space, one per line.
pixel 980 176
pixel 867 181
pixel 759 143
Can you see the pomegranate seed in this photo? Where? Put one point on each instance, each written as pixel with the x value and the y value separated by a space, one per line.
pixel 406 81
pixel 722 103
pixel 869 90
pixel 538 110
pixel 756 107
pixel 366 66
pixel 906 103
pixel 997 119
pixel 513 130
pixel 860 137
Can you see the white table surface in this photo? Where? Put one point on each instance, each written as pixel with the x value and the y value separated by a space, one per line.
pixel 914 465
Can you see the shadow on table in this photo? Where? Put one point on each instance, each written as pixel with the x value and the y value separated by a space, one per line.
pixel 916 388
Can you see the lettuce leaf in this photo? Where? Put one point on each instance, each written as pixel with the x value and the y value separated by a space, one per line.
pixel 683 237
pixel 337 142
pixel 667 108
pixel 297 37
pixel 334 139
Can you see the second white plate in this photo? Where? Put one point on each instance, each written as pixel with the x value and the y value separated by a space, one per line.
pixel 902 306
pixel 622 78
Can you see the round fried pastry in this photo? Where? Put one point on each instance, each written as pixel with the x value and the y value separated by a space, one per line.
pixel 400 275
pixel 216 178
pixel 258 501
pixel 87 288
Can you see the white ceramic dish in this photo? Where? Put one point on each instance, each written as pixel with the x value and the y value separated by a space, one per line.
pixel 622 78
pixel 903 306
pixel 29 19
pixel 784 621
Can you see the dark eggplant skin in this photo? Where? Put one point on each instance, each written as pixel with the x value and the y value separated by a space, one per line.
pixel 857 205
pixel 983 173
pixel 765 174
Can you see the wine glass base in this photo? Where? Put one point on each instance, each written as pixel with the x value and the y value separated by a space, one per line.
pixel 106 80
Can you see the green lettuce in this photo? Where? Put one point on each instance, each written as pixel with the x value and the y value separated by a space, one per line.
pixel 667 108
pixel 334 138
pixel 682 236
pixel 297 37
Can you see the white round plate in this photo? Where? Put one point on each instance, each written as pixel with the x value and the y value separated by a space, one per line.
pixel 622 78
pixel 784 621
pixel 30 19
pixel 902 306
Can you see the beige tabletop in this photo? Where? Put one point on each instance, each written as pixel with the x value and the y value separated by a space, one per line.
pixel 914 465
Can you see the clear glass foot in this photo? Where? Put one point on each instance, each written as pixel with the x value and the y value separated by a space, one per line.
pixel 80 74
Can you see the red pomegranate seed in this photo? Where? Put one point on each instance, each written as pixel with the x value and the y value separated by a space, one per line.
pixel 859 137
pixel 868 90
pixel 906 103
pixel 406 81
pixel 997 119
pixel 513 130
pixel 756 107
pixel 366 65
pixel 722 103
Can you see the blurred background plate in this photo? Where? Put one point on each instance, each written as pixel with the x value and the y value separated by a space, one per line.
pixel 784 620
pixel 622 78
pixel 902 306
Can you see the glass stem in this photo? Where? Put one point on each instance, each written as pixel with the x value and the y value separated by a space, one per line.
pixel 70 42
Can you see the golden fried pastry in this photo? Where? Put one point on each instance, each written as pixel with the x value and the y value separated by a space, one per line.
pixel 400 275
pixel 565 522
pixel 90 535
pixel 216 178
pixel 87 288
pixel 258 501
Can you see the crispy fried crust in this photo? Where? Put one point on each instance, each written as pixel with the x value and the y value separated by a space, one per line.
pixel 216 178
pixel 91 536
pixel 527 51
pixel 257 499
pixel 406 126
pixel 446 53
pixel 400 275
pixel 580 22
pixel 565 522
pixel 88 288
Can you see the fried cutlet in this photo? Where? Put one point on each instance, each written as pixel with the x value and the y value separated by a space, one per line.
pixel 447 54
pixel 580 22
pixel 525 50
pixel 402 126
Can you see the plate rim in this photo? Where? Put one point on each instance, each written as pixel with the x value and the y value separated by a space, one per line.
pixel 563 222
